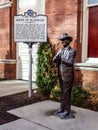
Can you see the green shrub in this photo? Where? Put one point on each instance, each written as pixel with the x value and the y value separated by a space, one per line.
pixel 55 93
pixel 45 72
pixel 79 96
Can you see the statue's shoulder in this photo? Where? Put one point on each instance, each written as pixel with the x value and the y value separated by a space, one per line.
pixel 72 49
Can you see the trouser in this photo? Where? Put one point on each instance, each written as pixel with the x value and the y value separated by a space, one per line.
pixel 66 88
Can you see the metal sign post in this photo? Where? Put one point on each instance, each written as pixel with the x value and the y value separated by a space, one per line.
pixel 30 28
pixel 30 69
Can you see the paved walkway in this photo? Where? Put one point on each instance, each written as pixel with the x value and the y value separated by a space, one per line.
pixel 38 116
pixel 8 87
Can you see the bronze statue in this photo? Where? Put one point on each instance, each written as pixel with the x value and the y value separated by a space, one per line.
pixel 65 63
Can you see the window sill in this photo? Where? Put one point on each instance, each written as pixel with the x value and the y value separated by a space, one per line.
pixel 90 64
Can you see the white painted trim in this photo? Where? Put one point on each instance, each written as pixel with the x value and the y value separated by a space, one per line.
pixel 85 31
pixel 86 66
pixel 6 4
pixel 92 60
pixel 7 61
pixel 17 47
pixel 91 5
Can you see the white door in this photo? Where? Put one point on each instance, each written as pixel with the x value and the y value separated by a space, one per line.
pixel 22 48
pixel 23 61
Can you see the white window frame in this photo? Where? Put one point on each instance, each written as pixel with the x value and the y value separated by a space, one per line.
pixel 87 63
pixel 85 33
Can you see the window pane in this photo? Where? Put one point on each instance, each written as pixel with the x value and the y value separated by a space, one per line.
pixel 93 32
pixel 92 2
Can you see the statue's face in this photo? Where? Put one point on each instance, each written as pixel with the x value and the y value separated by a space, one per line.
pixel 65 42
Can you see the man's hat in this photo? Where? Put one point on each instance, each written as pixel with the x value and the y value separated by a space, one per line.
pixel 65 36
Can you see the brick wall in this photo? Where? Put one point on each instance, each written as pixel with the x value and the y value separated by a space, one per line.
pixel 66 16
pixel 7 71
pixel 13 12
pixel 7 46
pixel 87 78
pixel 4 32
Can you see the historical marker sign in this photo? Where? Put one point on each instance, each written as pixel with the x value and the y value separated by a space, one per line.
pixel 30 29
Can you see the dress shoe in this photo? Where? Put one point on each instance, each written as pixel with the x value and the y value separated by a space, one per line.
pixel 66 115
pixel 58 112
pixel 63 114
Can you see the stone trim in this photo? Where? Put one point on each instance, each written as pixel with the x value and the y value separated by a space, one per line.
pixel 87 66
pixel 7 61
pixel 6 4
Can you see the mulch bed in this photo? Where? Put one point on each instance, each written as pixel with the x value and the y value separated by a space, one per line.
pixel 15 101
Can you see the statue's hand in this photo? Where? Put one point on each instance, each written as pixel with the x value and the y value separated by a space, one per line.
pixel 59 58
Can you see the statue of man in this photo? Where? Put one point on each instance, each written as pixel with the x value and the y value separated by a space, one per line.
pixel 65 62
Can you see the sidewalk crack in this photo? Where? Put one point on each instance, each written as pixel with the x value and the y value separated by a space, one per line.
pixel 37 124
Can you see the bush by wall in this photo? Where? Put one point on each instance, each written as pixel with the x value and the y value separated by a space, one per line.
pixel 45 72
pixel 79 97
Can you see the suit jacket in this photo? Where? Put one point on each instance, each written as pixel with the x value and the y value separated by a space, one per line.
pixel 65 62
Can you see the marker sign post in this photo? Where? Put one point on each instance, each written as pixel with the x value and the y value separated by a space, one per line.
pixel 30 28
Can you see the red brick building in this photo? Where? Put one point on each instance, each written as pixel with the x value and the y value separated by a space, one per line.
pixel 7 46
pixel 79 18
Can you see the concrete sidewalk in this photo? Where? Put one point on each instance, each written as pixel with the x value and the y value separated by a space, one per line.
pixel 38 116
pixel 9 87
